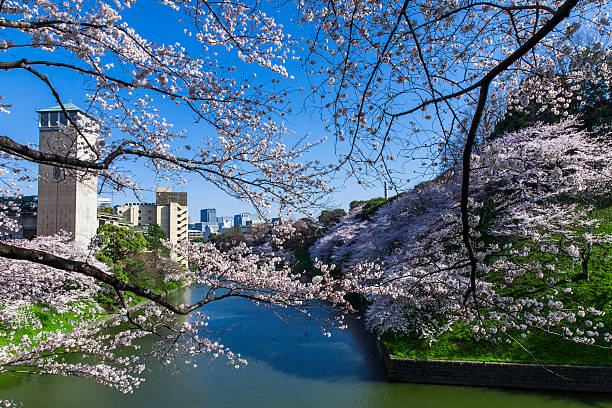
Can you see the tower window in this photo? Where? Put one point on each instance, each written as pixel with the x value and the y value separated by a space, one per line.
pixel 53 118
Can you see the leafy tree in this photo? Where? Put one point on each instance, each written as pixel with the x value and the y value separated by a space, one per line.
pixel 108 210
pixel 328 218
pixel 119 243
pixel 154 236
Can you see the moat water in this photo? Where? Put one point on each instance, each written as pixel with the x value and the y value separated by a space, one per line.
pixel 291 364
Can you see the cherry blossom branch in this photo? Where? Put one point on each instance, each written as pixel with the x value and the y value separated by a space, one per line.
pixel 84 268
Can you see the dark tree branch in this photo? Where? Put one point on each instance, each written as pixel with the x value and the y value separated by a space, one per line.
pixel 83 268
pixel 536 7
pixel 562 12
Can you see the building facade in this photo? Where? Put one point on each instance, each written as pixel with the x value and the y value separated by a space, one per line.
pixel 194 234
pixel 137 213
pixel 225 222
pixel 208 215
pixel 172 214
pixel 169 211
pixel 114 219
pixel 67 199
pixel 240 220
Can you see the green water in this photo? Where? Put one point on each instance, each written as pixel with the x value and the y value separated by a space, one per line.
pixel 290 365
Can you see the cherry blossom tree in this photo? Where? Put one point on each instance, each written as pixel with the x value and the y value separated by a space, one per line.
pixel 396 78
pixel 533 208
pixel 128 74
pixel 67 278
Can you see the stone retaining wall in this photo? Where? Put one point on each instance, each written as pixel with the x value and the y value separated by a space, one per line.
pixel 492 374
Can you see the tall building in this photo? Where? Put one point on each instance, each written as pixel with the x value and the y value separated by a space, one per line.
pixel 208 215
pixel 240 220
pixel 169 211
pixel 67 199
pixel 171 214
pixel 225 222
pixel 165 195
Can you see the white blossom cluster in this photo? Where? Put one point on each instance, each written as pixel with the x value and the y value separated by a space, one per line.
pixel 55 288
pixel 45 352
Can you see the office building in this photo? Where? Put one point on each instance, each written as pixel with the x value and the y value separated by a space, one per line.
pixel 169 211
pixel 114 219
pixel 208 215
pixel 172 216
pixel 225 222
pixel 240 220
pixel 137 213
pixel 194 234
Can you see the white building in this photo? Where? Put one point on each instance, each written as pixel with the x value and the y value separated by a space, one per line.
pixel 193 234
pixel 169 211
pixel 225 222
pixel 141 214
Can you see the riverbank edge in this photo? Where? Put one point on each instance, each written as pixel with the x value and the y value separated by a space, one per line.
pixel 547 377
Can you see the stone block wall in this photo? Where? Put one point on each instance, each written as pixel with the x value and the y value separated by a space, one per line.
pixel 493 374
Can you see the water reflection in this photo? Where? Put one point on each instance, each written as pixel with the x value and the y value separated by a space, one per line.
pixel 290 365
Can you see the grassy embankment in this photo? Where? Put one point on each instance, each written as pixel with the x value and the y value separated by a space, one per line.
pixel 51 320
pixel 538 346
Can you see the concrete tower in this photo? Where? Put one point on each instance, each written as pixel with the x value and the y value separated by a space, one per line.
pixel 67 199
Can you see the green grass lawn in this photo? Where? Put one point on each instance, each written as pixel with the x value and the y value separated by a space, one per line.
pixel 52 321
pixel 460 344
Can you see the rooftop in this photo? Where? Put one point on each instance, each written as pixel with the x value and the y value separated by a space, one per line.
pixel 70 107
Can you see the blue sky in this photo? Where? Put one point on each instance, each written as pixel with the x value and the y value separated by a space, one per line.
pixel 27 94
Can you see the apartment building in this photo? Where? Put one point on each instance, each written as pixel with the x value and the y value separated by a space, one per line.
pixel 169 211
pixel 141 214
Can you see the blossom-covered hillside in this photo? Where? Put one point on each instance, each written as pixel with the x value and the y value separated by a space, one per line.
pixel 540 230
pixel 393 230
pixel 398 238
